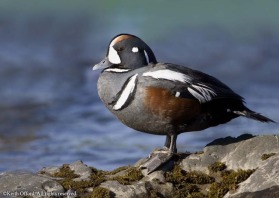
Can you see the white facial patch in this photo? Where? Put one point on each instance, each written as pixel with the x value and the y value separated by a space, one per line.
pixel 168 75
pixel 135 49
pixel 126 92
pixel 113 56
pixel 146 56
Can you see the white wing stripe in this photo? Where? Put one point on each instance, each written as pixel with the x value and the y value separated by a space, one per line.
pixel 205 94
pixel 128 90
pixel 168 75
pixel 207 88
pixel 197 95
pixel 200 91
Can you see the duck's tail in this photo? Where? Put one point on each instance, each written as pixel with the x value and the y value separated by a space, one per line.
pixel 253 115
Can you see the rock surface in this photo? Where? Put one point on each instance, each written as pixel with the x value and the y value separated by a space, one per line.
pixel 19 184
pixel 243 152
pixel 240 167
pixel 264 179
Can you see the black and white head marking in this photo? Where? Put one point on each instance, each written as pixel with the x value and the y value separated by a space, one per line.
pixel 135 49
pixel 129 51
pixel 146 56
pixel 113 56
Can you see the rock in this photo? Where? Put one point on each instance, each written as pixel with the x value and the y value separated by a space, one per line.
pixel 50 170
pixel 240 167
pixel 155 176
pixel 264 179
pixel 77 167
pixel 267 193
pixel 81 169
pixel 19 184
pixel 237 153
pixel 119 190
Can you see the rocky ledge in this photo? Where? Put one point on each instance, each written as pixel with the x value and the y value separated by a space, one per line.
pixel 246 166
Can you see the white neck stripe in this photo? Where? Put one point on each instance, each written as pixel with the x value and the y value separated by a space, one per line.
pixel 117 70
pixel 126 92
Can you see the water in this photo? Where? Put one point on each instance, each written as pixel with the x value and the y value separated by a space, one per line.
pixel 50 113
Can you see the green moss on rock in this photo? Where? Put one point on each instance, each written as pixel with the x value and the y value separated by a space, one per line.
pixel 66 172
pixel 186 183
pixel 196 177
pixel 68 176
pixel 131 174
pixel 217 166
pixel 196 195
pixel 192 184
pixel 230 181
pixel 185 190
pixel 100 192
pixel 178 175
pixel 117 170
pixel 153 192
pixel 266 156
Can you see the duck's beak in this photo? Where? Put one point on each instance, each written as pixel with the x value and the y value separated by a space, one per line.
pixel 103 64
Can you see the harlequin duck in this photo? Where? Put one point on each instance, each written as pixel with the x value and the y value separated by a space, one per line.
pixel 163 98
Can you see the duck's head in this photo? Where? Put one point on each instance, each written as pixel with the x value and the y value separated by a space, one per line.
pixel 127 51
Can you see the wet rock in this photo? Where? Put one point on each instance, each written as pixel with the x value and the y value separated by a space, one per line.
pixel 155 176
pixel 265 180
pixel 119 189
pixel 19 184
pixel 244 152
pixel 267 193
pixel 49 170
pixel 240 167
pixel 81 169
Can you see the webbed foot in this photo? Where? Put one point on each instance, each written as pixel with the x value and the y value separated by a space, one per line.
pixel 161 156
pixel 157 159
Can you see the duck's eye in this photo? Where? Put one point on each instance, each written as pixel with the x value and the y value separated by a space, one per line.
pixel 120 49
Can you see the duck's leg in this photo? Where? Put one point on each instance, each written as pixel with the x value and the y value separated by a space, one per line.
pixel 170 143
pixel 172 146
pixel 159 158
pixel 166 147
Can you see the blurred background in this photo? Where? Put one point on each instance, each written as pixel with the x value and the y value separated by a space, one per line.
pixel 50 112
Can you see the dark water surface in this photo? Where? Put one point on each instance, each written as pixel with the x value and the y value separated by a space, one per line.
pixel 50 112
